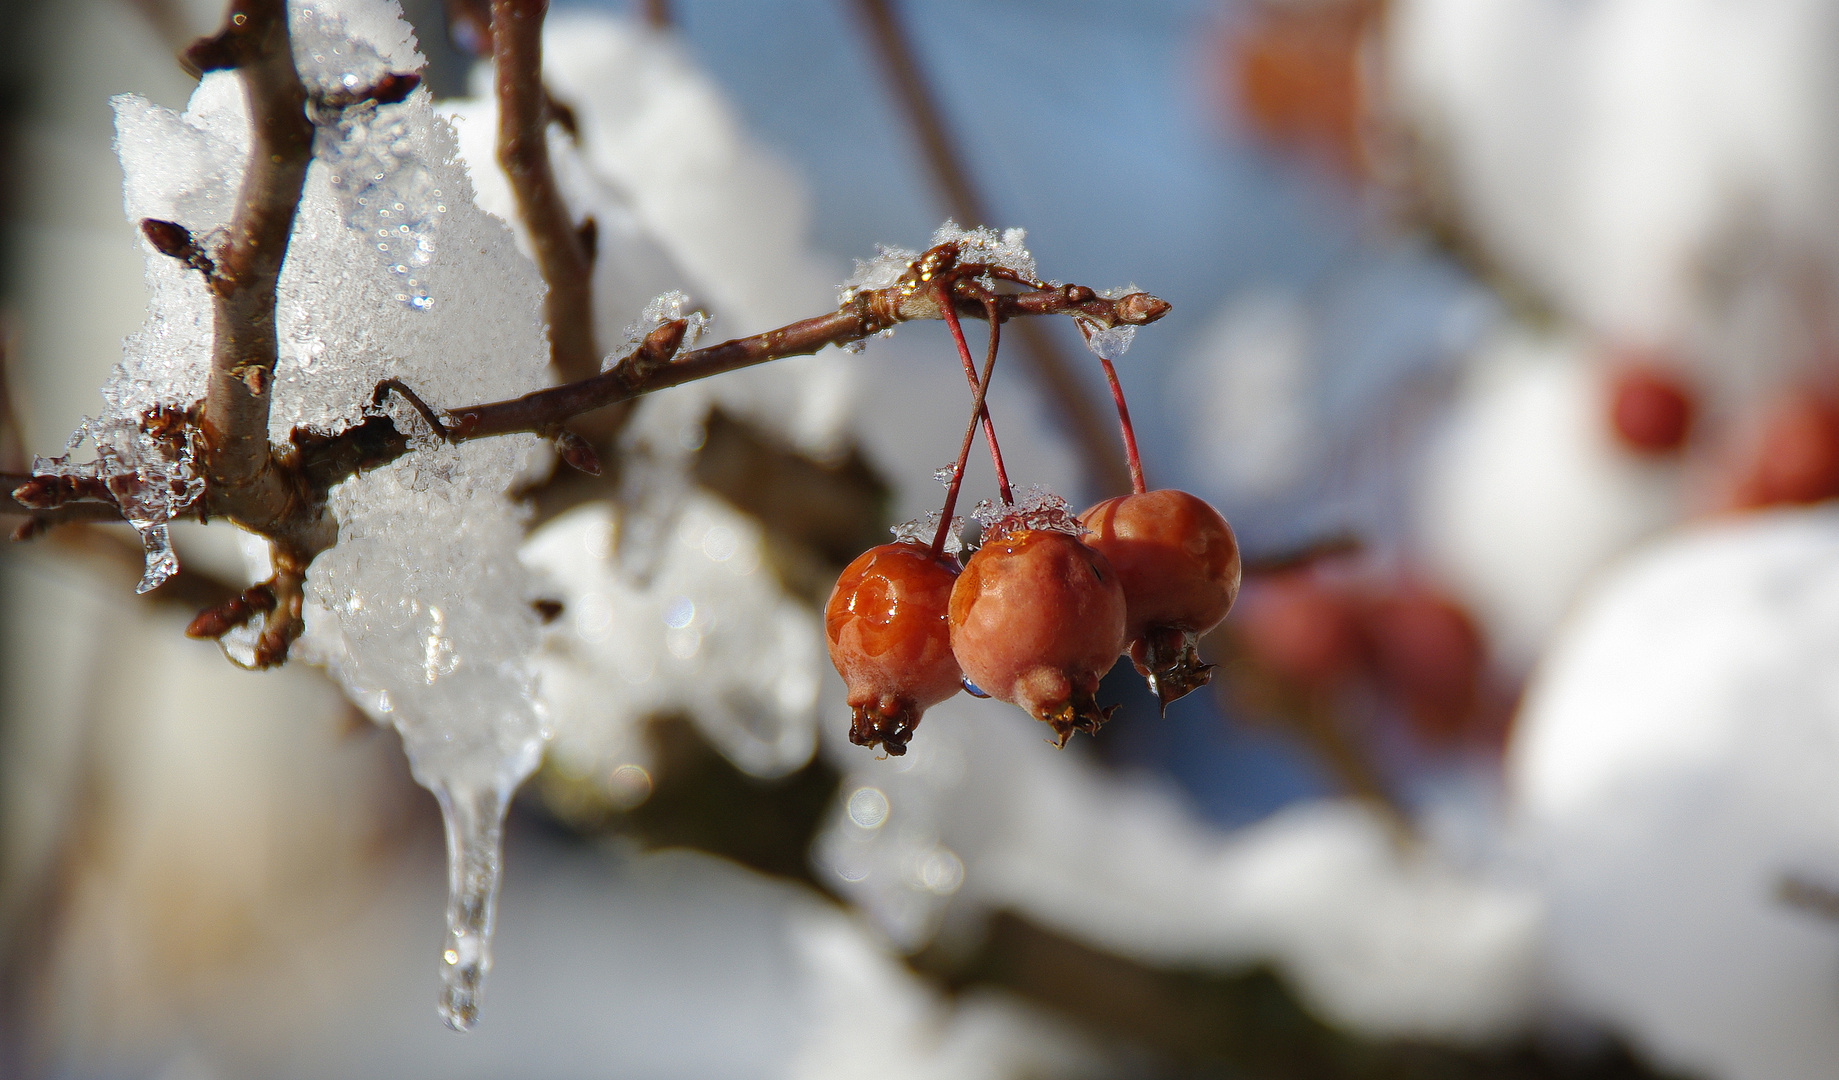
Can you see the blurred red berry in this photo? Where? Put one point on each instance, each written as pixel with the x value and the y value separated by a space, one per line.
pixel 1178 562
pixel 1294 71
pixel 889 639
pixel 1797 460
pixel 1037 618
pixel 1651 410
pixel 1302 629
pixel 1427 653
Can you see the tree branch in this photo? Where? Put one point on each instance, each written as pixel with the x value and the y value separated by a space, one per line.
pixel 648 369
pixel 524 112
pixel 242 481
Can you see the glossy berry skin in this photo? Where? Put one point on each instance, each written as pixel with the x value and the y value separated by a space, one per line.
pixel 1179 564
pixel 1650 410
pixel 1037 618
pixel 886 627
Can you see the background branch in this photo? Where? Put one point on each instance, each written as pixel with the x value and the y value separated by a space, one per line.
pixel 1085 420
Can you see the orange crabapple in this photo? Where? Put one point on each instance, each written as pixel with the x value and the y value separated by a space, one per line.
pixel 1037 618
pixel 885 624
pixel 1178 562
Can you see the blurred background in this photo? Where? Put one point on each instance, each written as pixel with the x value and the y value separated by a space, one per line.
pixel 1504 333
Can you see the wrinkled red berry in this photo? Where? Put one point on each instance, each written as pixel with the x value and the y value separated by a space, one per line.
pixel 1037 618
pixel 1427 653
pixel 1650 410
pixel 1179 564
pixel 886 626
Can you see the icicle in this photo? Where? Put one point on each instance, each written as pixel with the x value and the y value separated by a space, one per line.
pixel 475 844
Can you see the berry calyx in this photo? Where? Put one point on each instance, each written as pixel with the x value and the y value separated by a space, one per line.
pixel 1178 562
pixel 886 627
pixel 1037 618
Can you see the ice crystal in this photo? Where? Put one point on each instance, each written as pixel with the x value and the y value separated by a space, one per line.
pixel 880 272
pixel 667 307
pixel 1006 250
pixel 1037 508
pixel 922 529
pixel 152 479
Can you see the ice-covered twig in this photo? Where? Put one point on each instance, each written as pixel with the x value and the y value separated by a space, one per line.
pixel 1073 403
pixel 866 313
pixel 242 481
pixel 562 257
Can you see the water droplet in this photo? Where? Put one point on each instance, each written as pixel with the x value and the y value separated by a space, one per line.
pixel 868 807
pixel 971 689
pixel 680 613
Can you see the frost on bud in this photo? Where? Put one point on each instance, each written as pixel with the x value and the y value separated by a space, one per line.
pixel 662 311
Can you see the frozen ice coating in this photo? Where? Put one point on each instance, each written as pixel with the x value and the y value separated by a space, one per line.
pixel 1390 942
pixel 1693 706
pixel 422 609
pixel 710 634
pixel 1033 508
pixel 1609 153
pixel 922 529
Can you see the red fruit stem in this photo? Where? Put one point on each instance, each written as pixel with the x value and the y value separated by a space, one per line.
pixel 970 374
pixel 1123 422
pixel 964 449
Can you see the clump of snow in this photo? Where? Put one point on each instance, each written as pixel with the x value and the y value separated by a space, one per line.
pixel 871 1017
pixel 1248 399
pixel 1007 250
pixel 1674 767
pixel 1391 941
pixel 1663 173
pixel 421 610
pixel 1110 343
pixel 879 272
pixel 1526 495
pixel 710 635
pixel 1035 508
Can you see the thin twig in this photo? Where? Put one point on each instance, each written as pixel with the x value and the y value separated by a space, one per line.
pixel 1083 419
pixel 524 113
